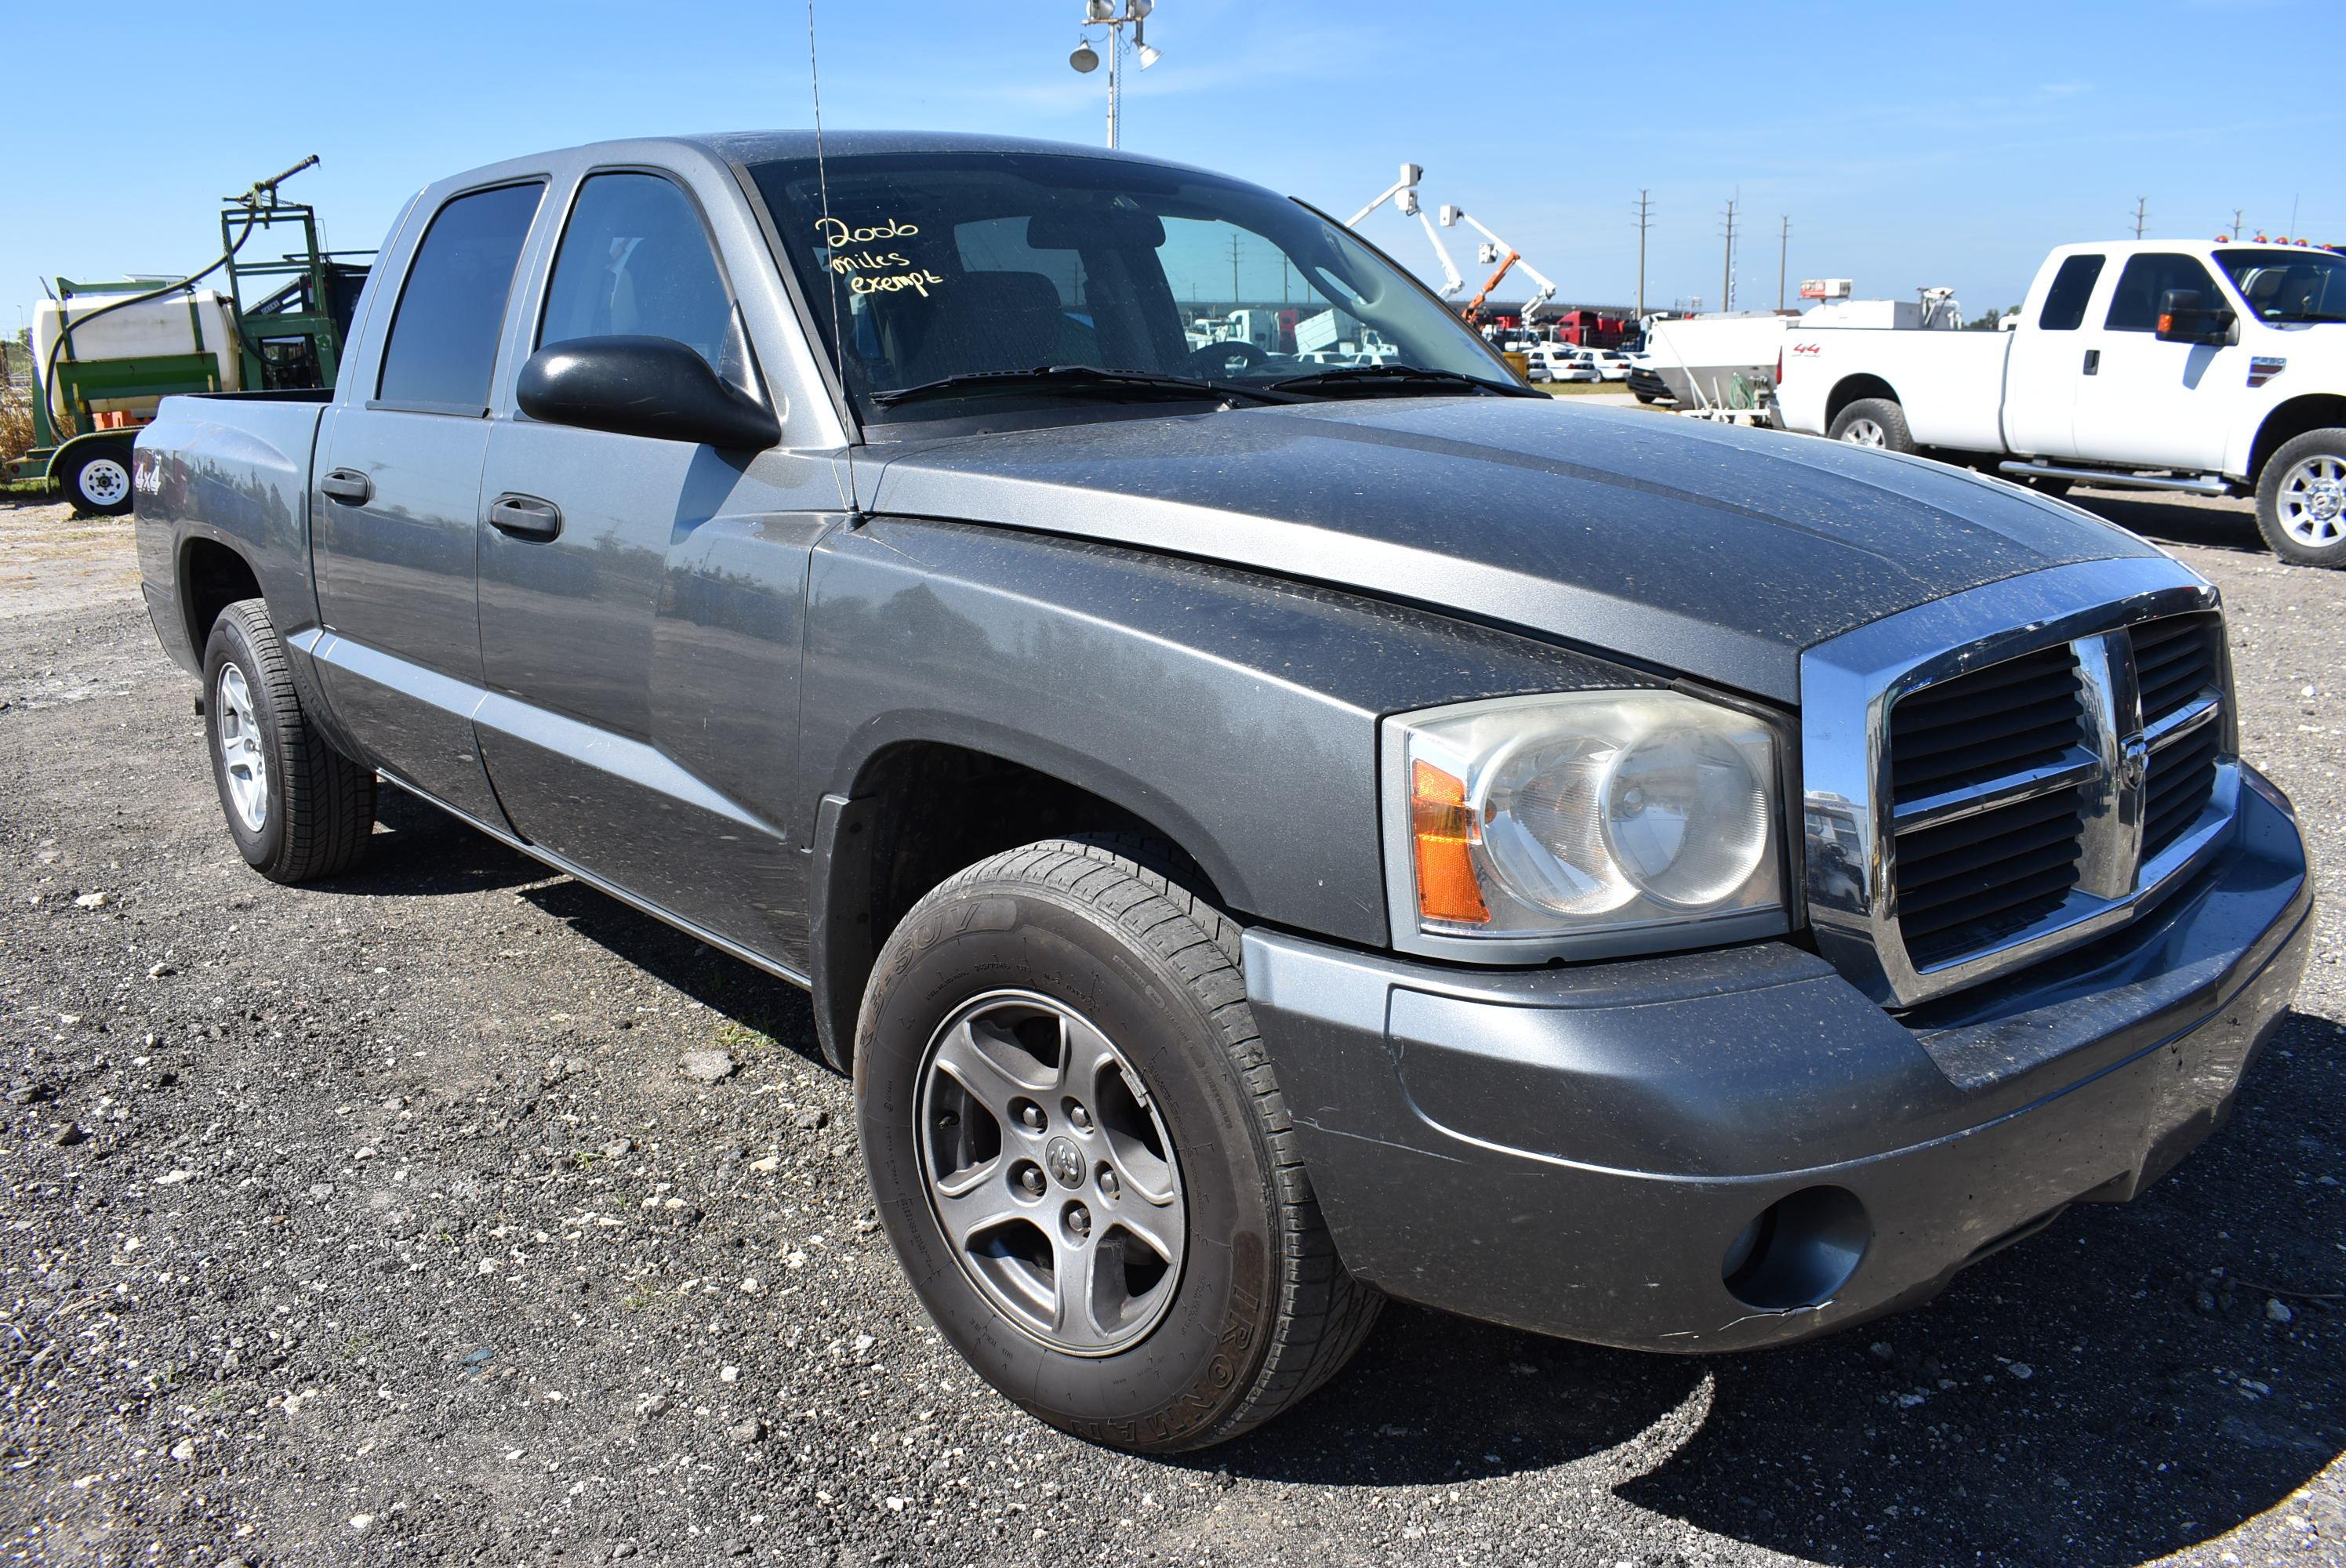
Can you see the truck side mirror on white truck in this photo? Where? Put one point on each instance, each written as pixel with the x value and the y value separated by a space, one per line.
pixel 2183 320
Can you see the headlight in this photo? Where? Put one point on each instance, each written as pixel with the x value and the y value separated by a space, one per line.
pixel 1542 820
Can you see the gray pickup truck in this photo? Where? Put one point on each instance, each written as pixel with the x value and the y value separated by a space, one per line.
pixel 1266 831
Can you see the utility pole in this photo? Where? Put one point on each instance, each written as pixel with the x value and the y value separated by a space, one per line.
pixel 1234 268
pixel 1644 213
pixel 2236 221
pixel 1726 268
pixel 1783 249
pixel 2138 207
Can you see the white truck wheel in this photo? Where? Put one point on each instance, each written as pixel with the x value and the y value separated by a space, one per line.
pixel 2302 500
pixel 1873 421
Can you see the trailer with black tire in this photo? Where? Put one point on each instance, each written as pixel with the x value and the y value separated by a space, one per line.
pixel 105 354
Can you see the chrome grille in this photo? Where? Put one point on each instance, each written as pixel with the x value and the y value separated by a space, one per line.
pixel 1973 866
pixel 2033 779
pixel 2180 666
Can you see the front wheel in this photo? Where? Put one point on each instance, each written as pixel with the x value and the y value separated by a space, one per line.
pixel 2302 500
pixel 1083 1159
pixel 1875 422
pixel 98 479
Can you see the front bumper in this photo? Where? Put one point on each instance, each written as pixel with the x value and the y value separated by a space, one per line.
pixel 1584 1152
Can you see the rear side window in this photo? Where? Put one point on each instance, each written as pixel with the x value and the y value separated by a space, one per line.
pixel 2064 302
pixel 634 261
pixel 2134 308
pixel 443 337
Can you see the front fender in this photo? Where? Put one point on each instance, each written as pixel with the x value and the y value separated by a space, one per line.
pixel 1235 713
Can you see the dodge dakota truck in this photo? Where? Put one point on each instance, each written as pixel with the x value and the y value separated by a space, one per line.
pixel 1264 838
pixel 2212 369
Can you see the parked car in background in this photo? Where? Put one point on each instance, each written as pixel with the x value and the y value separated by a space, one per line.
pixel 1609 364
pixel 1551 362
pixel 2214 369
pixel 1262 836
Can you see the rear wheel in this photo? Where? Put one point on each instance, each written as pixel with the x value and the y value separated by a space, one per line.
pixel 1083 1158
pixel 1873 421
pixel 98 479
pixel 2302 500
pixel 296 808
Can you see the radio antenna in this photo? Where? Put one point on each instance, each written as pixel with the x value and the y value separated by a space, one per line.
pixel 830 274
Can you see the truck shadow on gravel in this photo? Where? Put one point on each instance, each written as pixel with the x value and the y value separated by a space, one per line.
pixel 2168 520
pixel 2114 1390
pixel 733 991
pixel 421 852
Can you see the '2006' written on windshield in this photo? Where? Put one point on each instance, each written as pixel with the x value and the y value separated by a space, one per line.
pixel 870 271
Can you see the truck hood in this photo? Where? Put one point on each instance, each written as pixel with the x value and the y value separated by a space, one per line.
pixel 1714 552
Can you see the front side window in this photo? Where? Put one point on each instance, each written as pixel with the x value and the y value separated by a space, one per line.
pixel 2289 285
pixel 634 261
pixel 2064 302
pixel 2134 308
pixel 931 266
pixel 443 348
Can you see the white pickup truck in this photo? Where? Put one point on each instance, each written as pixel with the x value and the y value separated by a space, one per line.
pixel 2210 368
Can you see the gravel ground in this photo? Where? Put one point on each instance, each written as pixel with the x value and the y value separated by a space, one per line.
pixel 393 1221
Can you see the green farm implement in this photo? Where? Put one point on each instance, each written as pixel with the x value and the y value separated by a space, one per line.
pixel 104 352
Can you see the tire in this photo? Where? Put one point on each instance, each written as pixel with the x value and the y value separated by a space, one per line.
pixel 1048 943
pixel 1643 397
pixel 2301 499
pixel 1873 421
pixel 98 479
pixel 314 807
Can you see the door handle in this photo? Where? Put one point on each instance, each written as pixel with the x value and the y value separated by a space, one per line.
pixel 525 517
pixel 347 485
pixel 2093 361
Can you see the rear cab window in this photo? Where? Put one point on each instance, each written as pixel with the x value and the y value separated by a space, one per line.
pixel 2072 287
pixel 442 349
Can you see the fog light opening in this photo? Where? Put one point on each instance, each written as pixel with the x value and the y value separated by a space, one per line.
pixel 1799 1250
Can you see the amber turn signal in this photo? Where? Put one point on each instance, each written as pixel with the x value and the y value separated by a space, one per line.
pixel 1439 821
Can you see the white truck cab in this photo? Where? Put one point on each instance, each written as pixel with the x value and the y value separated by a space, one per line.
pixel 2211 368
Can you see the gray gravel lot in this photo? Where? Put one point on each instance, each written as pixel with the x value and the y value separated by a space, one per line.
pixel 378 1222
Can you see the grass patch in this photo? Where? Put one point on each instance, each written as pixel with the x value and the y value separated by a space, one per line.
pixel 743 1039
pixel 1580 389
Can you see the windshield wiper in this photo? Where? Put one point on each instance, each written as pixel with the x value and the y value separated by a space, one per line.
pixel 1402 379
pixel 1074 378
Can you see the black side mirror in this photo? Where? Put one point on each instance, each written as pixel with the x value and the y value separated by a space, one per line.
pixel 642 386
pixel 2183 320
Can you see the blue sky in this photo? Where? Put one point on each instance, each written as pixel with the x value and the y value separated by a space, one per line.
pixel 1939 146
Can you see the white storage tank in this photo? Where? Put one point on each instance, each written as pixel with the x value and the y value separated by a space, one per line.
pixel 183 323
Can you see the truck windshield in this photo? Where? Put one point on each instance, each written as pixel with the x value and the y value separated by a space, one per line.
pixel 948 265
pixel 2289 285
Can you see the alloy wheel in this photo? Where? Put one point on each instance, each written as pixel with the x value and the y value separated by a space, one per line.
pixel 2311 498
pixel 242 760
pixel 1051 1174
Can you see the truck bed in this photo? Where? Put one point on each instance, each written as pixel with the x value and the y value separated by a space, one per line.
pixel 230 466
pixel 1951 383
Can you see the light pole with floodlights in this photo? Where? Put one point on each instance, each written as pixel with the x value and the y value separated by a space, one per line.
pixel 1104 14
